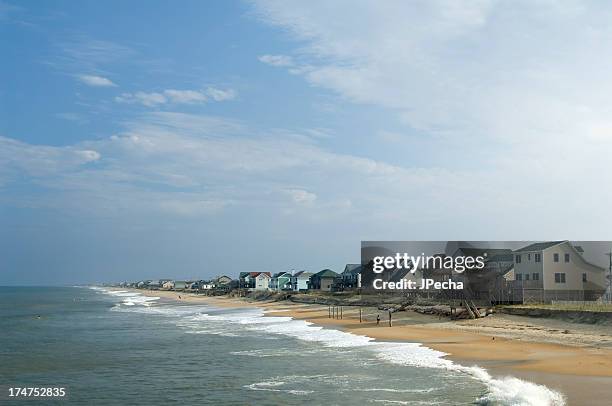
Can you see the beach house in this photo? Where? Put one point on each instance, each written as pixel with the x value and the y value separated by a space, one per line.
pixel 323 280
pixel 223 280
pixel 299 281
pixel 192 285
pixel 351 276
pixel 262 281
pixel 154 285
pixel 168 285
pixel 247 279
pixel 205 285
pixel 241 279
pixel 179 285
pixel 280 281
pixel 556 270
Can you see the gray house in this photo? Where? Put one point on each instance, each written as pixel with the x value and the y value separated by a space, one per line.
pixel 180 285
pixel 323 280
pixel 351 276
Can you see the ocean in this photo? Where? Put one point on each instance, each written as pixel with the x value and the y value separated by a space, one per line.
pixel 121 348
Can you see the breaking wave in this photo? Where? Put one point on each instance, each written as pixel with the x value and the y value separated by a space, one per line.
pixel 198 318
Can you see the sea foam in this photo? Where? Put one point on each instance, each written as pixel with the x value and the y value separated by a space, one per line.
pixel 130 298
pixel 505 390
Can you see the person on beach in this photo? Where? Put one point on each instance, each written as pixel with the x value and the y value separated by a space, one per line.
pixel 378 319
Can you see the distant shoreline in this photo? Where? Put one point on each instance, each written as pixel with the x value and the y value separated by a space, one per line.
pixel 582 372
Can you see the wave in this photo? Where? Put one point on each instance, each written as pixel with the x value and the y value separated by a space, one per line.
pixel 271 386
pixel 207 320
pixel 129 298
pixel 506 390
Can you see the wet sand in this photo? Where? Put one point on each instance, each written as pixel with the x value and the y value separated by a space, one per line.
pixel 529 349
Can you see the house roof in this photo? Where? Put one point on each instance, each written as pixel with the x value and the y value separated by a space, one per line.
pixel 545 245
pixel 256 274
pixel 303 274
pixel 326 273
pixel 539 246
pixel 352 269
pixel 480 252
pixel 501 258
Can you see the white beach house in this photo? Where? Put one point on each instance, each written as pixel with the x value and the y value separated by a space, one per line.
pixel 557 270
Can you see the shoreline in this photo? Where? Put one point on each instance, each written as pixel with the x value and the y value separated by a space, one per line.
pixel 581 371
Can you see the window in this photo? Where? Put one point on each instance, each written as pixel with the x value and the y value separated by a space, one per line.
pixel 528 257
pixel 536 277
pixel 559 277
pixel 567 257
pixel 526 276
pixel 556 257
pixel 518 259
pixel 584 277
pixel 538 257
pixel 519 276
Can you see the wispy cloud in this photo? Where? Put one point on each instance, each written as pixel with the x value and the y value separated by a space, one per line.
pixel 88 60
pixel 146 99
pixel 196 165
pixel 302 197
pixel 96 81
pixel 185 96
pixel 92 53
pixel 220 94
pixel 277 60
pixel 41 161
pixel 474 70
pixel 173 96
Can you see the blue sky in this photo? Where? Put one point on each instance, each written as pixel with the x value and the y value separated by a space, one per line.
pixel 152 139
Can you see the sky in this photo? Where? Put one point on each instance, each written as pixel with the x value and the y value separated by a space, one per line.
pixel 150 139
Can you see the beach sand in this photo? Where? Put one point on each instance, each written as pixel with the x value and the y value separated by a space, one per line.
pixel 574 359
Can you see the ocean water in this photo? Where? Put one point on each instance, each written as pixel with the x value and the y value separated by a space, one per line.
pixel 122 348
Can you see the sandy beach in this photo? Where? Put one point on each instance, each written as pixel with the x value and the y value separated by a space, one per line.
pixel 575 359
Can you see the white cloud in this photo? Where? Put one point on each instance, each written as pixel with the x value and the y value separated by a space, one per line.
pixel 184 96
pixel 146 99
pixel 503 71
pixel 302 197
pixel 220 94
pixel 277 60
pixel 174 96
pixel 513 93
pixel 96 81
pixel 42 160
pixel 192 165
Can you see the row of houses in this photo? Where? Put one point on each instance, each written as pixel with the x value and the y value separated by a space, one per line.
pixel 540 272
pixel 297 281
pixel 301 281
pixel 220 283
